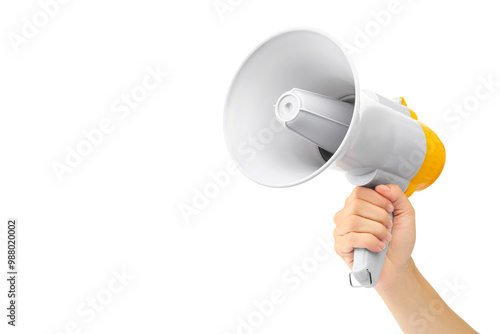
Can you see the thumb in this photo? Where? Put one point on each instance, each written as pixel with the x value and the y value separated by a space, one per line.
pixel 397 197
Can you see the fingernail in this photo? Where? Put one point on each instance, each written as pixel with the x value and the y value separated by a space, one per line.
pixel 390 225
pixel 385 187
pixel 388 237
pixel 381 245
pixel 390 208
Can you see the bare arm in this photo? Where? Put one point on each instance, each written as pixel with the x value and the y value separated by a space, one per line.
pixel 418 308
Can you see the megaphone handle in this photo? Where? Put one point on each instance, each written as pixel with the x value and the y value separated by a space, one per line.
pixel 367 266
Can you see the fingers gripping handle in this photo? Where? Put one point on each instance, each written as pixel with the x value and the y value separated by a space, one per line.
pixel 367 266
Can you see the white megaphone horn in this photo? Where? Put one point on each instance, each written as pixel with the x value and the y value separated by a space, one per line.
pixel 302 85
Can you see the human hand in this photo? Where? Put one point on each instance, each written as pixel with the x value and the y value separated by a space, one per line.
pixel 364 222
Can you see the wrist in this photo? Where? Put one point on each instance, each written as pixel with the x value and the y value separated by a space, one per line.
pixel 405 277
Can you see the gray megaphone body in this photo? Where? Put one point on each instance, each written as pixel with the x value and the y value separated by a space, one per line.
pixel 302 87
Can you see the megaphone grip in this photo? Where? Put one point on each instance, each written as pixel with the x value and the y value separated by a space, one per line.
pixel 367 265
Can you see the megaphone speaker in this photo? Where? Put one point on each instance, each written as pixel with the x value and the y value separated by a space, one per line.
pixel 297 99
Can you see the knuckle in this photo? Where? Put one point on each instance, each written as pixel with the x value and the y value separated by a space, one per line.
pixel 357 192
pixel 383 216
pixel 386 219
pixel 355 206
pixel 336 247
pixel 349 238
pixel 381 231
pixel 336 218
pixel 353 223
pixel 386 203
pixel 368 241
pixel 373 241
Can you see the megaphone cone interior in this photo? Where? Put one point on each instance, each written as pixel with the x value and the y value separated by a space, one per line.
pixel 266 152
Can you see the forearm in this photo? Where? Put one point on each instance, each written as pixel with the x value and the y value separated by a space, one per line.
pixel 418 308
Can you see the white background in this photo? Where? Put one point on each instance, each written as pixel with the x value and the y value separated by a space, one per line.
pixel 120 208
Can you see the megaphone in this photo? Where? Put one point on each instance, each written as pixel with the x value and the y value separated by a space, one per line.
pixel 295 108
